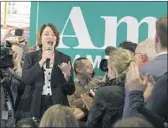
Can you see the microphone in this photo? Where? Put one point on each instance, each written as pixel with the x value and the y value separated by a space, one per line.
pixel 48 58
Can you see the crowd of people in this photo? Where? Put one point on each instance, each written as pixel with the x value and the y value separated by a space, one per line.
pixel 43 88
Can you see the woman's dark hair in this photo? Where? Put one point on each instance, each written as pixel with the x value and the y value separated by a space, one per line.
pixel 128 45
pixel 55 30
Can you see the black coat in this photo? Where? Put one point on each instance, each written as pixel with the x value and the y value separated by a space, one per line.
pixel 157 104
pixel 108 104
pixel 33 78
pixel 11 88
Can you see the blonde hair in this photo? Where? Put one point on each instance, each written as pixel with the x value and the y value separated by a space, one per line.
pixel 19 53
pixel 120 60
pixel 58 116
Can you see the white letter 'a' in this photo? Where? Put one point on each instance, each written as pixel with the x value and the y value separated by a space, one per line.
pixel 80 29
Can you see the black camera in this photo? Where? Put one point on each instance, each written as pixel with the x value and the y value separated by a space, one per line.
pixel 19 32
pixel 103 65
pixel 6 57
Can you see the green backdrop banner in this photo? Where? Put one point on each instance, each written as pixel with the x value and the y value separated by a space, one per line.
pixel 87 28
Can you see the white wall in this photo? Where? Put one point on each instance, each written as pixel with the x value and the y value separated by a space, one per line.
pixel 17 14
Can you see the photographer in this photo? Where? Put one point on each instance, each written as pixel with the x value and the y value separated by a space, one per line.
pixel 16 35
pixel 10 84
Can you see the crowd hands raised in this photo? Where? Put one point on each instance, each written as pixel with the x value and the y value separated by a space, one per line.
pixel 132 93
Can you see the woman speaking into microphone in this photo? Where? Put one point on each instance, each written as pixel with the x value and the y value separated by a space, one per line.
pixel 47 74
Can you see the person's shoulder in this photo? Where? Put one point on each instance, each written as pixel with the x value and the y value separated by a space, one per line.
pixel 164 77
pixel 154 67
pixel 33 54
pixel 63 54
pixel 109 94
pixel 148 67
pixel 109 89
pixel 96 80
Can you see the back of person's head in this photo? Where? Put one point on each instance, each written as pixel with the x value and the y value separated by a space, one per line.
pixel 132 122
pixel 27 123
pixel 58 116
pixel 107 107
pixel 109 49
pixel 147 48
pixel 128 45
pixel 119 61
pixel 162 32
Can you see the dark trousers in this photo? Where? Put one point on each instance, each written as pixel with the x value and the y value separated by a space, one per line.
pixel 46 102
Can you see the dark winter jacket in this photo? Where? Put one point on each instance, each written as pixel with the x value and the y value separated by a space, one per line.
pixel 108 104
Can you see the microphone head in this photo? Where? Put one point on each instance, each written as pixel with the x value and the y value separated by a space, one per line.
pixel 49 49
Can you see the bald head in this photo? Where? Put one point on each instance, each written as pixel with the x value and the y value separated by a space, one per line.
pixel 145 51
pixel 147 47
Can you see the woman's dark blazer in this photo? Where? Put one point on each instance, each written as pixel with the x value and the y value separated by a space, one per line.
pixel 33 78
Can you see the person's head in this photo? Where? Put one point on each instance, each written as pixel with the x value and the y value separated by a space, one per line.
pixel 161 43
pixel 109 49
pixel 107 106
pixel 83 67
pixel 128 45
pixel 145 52
pixel 58 116
pixel 118 62
pixel 133 122
pixel 47 36
pixel 27 123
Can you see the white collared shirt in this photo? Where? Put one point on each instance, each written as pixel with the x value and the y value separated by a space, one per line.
pixel 47 81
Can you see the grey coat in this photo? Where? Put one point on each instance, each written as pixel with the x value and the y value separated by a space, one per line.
pixel 156 67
